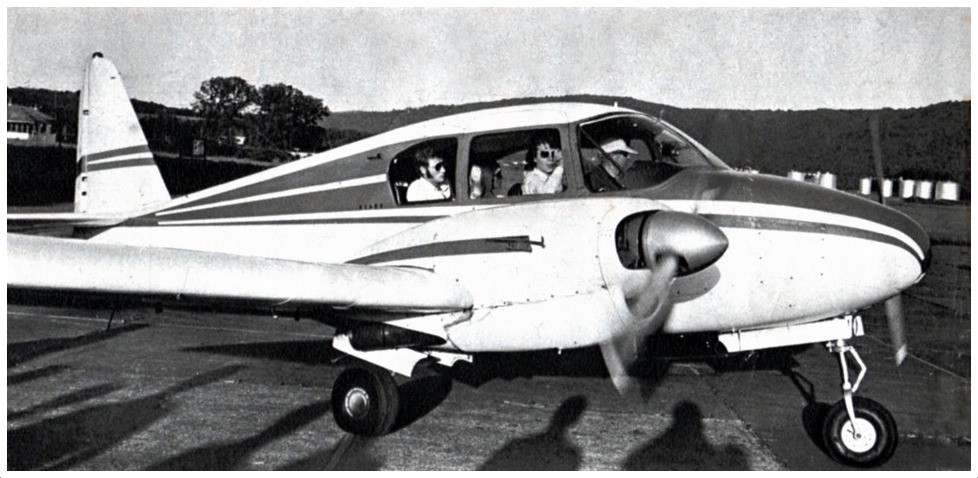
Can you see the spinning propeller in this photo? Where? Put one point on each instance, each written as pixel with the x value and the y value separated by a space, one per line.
pixel 669 244
pixel 894 305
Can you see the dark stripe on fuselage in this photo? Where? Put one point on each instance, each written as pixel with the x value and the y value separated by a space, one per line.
pixel 789 225
pixel 350 198
pixel 344 169
pixel 165 222
pixel 705 184
pixel 493 245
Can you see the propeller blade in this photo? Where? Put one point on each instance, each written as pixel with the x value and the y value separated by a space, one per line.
pixel 616 352
pixel 670 244
pixel 649 310
pixel 646 307
pixel 898 336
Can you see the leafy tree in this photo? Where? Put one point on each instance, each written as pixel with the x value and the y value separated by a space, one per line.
pixel 223 101
pixel 287 118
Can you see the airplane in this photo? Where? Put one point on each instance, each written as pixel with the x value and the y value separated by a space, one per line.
pixel 648 232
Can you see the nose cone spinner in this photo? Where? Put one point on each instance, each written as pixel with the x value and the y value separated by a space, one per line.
pixel 696 242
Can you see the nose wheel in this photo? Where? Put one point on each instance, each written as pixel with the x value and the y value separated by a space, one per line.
pixel 365 401
pixel 857 432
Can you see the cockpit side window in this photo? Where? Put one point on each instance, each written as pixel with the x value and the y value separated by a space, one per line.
pixel 634 152
pixel 501 162
pixel 424 172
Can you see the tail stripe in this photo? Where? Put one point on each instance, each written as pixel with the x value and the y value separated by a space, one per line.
pixel 120 163
pixel 142 148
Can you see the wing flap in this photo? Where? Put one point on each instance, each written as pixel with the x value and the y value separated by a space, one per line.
pixel 36 263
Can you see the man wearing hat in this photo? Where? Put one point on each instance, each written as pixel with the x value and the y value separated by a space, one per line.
pixel 605 175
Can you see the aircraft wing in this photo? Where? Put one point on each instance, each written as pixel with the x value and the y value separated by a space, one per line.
pixel 38 265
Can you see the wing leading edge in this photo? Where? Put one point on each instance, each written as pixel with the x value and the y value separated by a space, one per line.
pixel 48 265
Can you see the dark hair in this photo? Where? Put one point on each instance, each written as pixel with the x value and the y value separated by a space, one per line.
pixel 531 152
pixel 422 156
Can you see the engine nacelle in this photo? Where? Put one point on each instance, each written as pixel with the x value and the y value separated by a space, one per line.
pixel 378 336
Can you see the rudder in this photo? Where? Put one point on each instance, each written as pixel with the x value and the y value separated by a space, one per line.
pixel 116 170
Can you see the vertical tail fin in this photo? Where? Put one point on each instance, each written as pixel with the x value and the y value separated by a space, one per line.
pixel 116 170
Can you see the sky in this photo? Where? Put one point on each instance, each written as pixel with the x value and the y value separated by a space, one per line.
pixel 381 59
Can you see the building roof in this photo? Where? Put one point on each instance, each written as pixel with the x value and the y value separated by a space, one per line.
pixel 24 114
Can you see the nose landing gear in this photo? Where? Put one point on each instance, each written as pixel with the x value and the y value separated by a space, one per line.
pixel 857 432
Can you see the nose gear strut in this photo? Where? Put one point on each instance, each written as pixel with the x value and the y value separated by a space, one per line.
pixel 857 431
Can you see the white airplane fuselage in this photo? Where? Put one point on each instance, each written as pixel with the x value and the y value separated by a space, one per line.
pixel 797 253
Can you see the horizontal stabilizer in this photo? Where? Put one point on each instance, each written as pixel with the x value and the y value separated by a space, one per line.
pixel 24 222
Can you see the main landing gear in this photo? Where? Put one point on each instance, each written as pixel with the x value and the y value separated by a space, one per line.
pixel 857 431
pixel 365 401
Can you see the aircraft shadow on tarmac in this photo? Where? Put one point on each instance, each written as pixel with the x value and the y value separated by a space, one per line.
pixel 309 352
pixel 675 449
pixel 21 352
pixel 355 453
pixel 234 455
pixel 65 441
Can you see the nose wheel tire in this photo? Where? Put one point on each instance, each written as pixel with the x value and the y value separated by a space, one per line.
pixel 866 442
pixel 365 401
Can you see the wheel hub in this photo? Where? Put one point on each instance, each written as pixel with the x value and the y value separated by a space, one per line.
pixel 357 403
pixel 858 436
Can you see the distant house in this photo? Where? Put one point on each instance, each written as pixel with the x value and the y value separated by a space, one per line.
pixel 28 125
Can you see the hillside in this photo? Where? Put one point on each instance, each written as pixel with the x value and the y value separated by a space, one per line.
pixel 932 142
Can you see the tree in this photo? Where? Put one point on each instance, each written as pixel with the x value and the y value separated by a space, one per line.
pixel 287 118
pixel 223 101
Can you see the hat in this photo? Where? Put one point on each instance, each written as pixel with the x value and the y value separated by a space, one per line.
pixel 617 144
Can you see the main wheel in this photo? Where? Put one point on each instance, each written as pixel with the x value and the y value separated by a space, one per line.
pixel 868 442
pixel 365 401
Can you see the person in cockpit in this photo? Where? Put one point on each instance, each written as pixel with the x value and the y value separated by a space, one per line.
pixel 432 185
pixel 616 160
pixel 547 176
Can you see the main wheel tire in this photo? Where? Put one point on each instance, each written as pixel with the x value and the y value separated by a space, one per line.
pixel 365 401
pixel 867 443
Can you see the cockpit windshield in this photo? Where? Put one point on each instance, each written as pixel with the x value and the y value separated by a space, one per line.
pixel 635 151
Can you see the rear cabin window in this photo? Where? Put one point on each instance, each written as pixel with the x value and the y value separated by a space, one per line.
pixel 501 164
pixel 425 172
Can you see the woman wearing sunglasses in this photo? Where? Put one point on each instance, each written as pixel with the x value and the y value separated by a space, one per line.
pixel 547 177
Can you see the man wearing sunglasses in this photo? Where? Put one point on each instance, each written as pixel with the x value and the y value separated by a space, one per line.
pixel 431 186
pixel 547 177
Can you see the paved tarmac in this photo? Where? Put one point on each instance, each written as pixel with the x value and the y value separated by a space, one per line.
pixel 175 391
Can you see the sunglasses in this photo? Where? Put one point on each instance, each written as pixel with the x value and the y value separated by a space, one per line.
pixel 548 154
pixel 438 167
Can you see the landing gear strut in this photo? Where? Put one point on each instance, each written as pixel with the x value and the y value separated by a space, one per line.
pixel 857 432
pixel 365 401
